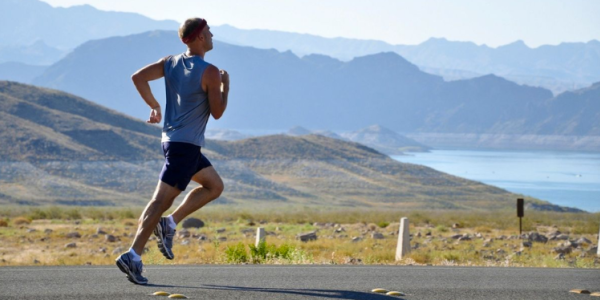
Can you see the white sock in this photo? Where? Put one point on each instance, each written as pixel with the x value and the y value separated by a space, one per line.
pixel 172 223
pixel 136 257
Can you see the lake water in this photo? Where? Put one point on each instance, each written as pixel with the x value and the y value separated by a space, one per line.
pixel 563 178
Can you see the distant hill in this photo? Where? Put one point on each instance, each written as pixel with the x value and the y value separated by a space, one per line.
pixel 298 131
pixel 558 123
pixel 20 72
pixel 562 67
pixel 224 134
pixel 62 149
pixel 37 53
pixel 385 140
pixel 577 111
pixel 377 137
pixel 35 33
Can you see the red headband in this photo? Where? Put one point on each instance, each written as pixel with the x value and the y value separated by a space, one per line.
pixel 192 36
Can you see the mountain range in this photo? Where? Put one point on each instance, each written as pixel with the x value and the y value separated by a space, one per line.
pixel 271 90
pixel 37 54
pixel 402 94
pixel 377 137
pixel 35 33
pixel 62 149
pixel 556 67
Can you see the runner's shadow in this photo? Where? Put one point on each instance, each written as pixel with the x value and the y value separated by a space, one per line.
pixel 334 294
pixel 171 286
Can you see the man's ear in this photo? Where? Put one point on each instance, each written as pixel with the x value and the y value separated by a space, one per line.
pixel 202 36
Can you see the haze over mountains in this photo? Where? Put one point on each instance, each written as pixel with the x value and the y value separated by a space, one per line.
pixel 278 90
pixel 567 66
pixel 558 68
pixel 273 90
pixel 35 26
pixel 62 149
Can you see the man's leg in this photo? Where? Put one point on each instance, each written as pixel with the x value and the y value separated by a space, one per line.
pixel 161 201
pixel 130 262
pixel 211 189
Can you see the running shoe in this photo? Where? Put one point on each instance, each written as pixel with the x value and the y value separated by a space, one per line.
pixel 133 269
pixel 165 234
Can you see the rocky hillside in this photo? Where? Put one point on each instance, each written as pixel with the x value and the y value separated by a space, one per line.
pixel 61 149
pixel 43 124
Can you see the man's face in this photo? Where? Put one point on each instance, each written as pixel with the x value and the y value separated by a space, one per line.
pixel 208 43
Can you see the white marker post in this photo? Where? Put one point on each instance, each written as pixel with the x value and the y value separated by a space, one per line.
pixel 260 236
pixel 403 247
pixel 598 251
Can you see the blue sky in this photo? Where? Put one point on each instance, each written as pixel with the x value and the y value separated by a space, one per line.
pixel 491 22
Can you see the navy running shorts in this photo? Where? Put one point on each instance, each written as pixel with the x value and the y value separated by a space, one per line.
pixel 182 161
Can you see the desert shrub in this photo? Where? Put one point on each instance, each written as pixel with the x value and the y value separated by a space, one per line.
pixel 450 257
pixel 37 214
pixel 263 252
pixel 126 214
pixel 258 253
pixel 383 224
pixel 586 228
pixel 72 214
pixel 441 228
pixel 53 213
pixel 95 214
pixel 420 257
pixel 3 223
pixel 236 253
pixel 21 221
pixel 483 229
pixel 283 251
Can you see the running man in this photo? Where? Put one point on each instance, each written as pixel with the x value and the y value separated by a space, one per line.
pixel 195 90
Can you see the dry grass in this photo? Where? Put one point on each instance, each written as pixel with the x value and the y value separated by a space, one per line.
pixel 21 221
pixel 43 240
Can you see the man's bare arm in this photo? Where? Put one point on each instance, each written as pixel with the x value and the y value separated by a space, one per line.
pixel 216 84
pixel 141 80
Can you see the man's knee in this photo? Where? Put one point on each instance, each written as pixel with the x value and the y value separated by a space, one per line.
pixel 211 181
pixel 217 187
pixel 163 197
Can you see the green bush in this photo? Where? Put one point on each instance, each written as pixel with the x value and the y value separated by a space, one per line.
pixel 258 254
pixel 127 214
pixel 46 213
pixel 284 251
pixel 450 257
pixel 441 228
pixel 236 254
pixel 383 224
pixel 73 214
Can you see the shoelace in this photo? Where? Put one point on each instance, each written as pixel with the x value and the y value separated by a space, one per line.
pixel 137 265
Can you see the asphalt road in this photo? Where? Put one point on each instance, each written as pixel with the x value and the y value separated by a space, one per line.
pixel 298 282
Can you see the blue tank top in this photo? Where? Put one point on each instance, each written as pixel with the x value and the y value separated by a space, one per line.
pixel 187 109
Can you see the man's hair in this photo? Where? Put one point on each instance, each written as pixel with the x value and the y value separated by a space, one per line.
pixel 188 26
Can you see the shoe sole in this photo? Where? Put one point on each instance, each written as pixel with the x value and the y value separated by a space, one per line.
pixel 125 269
pixel 161 246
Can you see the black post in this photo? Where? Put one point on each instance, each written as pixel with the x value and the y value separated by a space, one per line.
pixel 520 213
pixel 520 226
